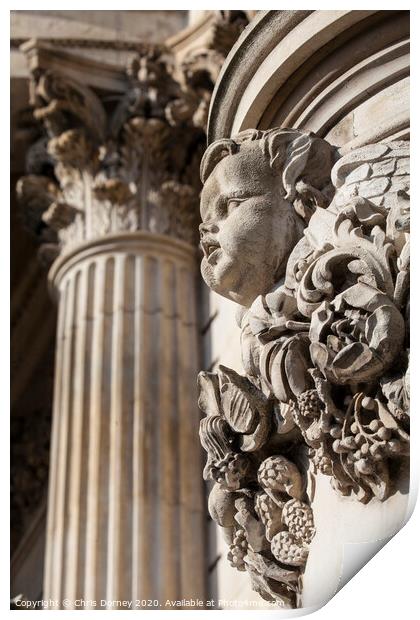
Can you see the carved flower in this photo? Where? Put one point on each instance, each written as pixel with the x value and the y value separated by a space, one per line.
pixel 357 336
pixel 231 471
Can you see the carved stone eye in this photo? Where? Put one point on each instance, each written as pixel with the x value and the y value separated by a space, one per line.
pixel 233 203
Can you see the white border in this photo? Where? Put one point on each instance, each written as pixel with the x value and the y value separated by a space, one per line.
pixel 387 586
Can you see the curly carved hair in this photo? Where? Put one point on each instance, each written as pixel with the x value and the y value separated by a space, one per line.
pixel 303 160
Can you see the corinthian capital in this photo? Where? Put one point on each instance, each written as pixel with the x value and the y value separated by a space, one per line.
pixel 110 161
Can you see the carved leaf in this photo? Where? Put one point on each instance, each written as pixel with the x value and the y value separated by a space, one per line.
pixel 209 395
pixel 237 409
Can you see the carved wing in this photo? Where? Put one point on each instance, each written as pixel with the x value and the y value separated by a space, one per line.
pixel 375 172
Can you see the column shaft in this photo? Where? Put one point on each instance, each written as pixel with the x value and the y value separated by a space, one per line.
pixel 125 515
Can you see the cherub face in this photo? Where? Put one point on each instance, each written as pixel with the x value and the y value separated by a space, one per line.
pixel 248 228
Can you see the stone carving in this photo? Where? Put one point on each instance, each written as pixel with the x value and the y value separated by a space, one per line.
pixel 101 171
pixel 200 67
pixel 314 247
pixel 226 29
pixel 130 167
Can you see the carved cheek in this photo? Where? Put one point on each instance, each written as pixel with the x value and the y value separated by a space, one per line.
pixel 243 234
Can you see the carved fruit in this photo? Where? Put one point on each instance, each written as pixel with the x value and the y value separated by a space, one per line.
pixel 231 471
pixel 237 550
pixel 287 550
pixel 222 506
pixel 278 474
pixel 310 405
pixel 270 514
pixel 237 409
pixel 299 518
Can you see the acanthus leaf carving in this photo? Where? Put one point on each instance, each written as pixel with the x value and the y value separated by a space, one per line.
pixel 134 164
pixel 62 103
pixel 129 168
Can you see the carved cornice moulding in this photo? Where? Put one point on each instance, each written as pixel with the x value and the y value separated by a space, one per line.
pixel 45 55
pixel 288 69
pixel 252 46
pixel 181 42
pixel 212 30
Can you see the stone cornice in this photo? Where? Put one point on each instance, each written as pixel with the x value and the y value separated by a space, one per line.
pixel 43 54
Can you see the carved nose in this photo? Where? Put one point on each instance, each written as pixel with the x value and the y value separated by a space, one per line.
pixel 208 228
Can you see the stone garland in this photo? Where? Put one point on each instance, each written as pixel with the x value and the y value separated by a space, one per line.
pixel 326 350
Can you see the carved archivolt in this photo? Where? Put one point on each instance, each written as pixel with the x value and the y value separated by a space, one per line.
pixel 324 338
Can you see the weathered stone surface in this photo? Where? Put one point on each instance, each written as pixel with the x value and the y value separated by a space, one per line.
pixel 125 468
pixel 321 273
pixel 296 69
pixel 112 194
pixel 117 172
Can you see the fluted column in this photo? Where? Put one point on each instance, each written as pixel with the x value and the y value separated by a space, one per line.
pixel 113 191
pixel 125 517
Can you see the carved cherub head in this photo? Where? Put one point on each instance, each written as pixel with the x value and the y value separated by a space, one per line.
pixel 260 190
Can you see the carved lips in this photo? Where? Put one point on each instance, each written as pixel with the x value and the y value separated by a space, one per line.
pixel 209 245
